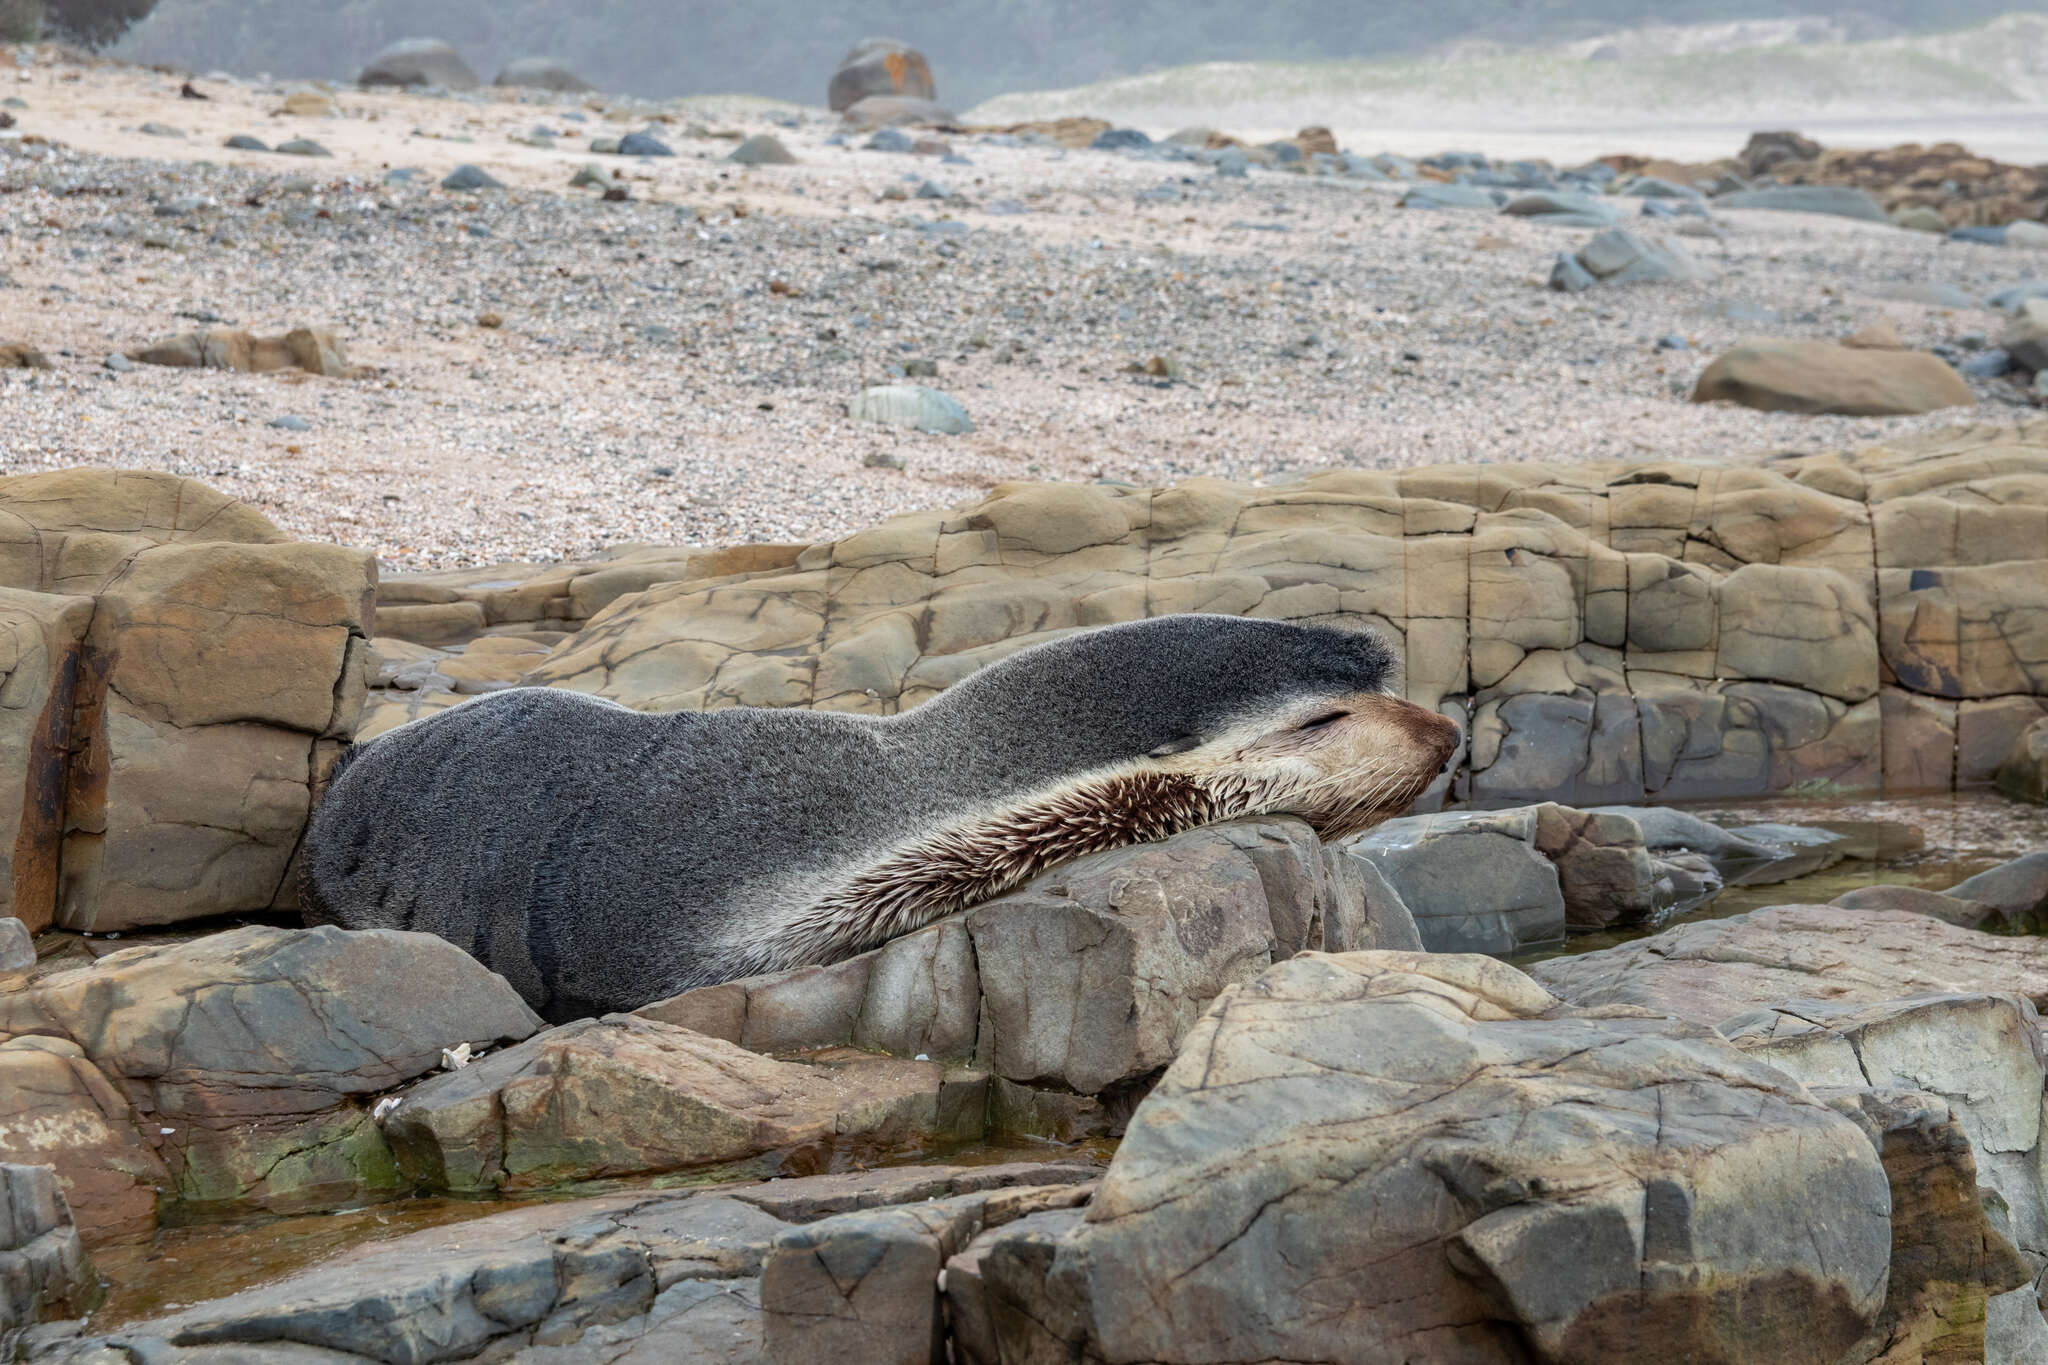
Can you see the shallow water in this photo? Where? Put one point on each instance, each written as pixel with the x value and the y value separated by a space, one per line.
pixel 183 1266
pixel 1931 842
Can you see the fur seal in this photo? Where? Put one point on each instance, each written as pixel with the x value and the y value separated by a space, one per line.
pixel 601 858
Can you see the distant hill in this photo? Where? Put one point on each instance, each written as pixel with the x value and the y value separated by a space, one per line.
pixel 978 48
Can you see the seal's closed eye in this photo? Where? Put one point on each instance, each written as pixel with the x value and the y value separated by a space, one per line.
pixel 1176 746
pixel 1330 718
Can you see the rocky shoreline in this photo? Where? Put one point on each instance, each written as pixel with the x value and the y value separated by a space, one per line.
pixel 1493 1082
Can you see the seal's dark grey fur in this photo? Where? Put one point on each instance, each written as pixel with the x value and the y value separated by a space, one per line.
pixel 601 857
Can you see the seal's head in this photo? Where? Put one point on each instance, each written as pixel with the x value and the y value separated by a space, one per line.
pixel 1232 716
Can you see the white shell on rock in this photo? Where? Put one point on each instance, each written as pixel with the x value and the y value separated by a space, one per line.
pixel 912 405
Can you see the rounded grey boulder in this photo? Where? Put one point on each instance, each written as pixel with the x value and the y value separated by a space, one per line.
pixel 419 61
pixel 542 73
pixel 880 66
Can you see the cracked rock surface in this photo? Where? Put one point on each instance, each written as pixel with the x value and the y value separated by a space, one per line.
pixel 1391 1157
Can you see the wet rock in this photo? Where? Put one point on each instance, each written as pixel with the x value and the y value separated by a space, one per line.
pixel 628 1096
pixel 1309 1206
pixel 2017 890
pixel 762 149
pixel 302 146
pixel 315 350
pixel 542 73
pixel 879 66
pixel 1839 200
pixel 914 406
pixel 245 143
pixel 419 61
pixel 636 1276
pixel 246 1054
pixel 1964 914
pixel 44 1272
pixel 2024 774
pixel 1818 376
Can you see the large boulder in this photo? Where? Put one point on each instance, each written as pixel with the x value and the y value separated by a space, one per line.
pixel 1084 981
pixel 880 66
pixel 1497 1177
pixel 242 1060
pixel 627 1096
pixel 1474 880
pixel 542 73
pixel 179 677
pixel 419 61
pixel 1819 376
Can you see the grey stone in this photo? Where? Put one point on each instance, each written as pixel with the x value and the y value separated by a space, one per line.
pixel 762 149
pixel 1122 140
pixel 1655 187
pixel 1567 276
pixel 890 140
pixel 1618 256
pixel 1366 1157
pixel 470 177
pixel 542 73
pixel 118 363
pixel 302 146
pixel 1431 195
pixel 44 1272
pixel 1547 205
pixel 914 406
pixel 160 130
pixel 1980 1052
pixel 590 175
pixel 1840 200
pixel 2024 774
pixel 419 61
pixel 2026 336
pixel 2017 890
pixel 243 142
pixel 17 946
pixel 1474 881
pixel 290 423
pixel 1711 970
pixel 643 144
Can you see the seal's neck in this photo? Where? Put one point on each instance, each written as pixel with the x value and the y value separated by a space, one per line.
pixel 961 865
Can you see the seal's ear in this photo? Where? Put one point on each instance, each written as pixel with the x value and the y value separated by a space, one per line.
pixel 1176 746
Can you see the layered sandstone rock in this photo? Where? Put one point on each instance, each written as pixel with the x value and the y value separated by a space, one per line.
pixel 176 678
pixel 1607 632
